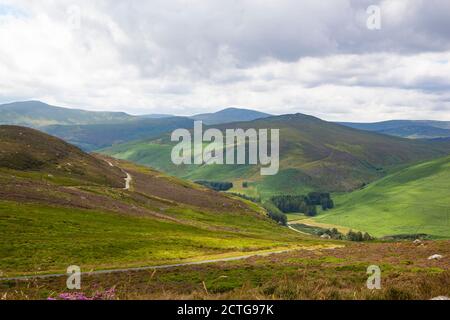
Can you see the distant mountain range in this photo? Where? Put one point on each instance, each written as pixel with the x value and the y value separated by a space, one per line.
pixel 92 130
pixel 96 136
pixel 315 155
pixel 38 114
pixel 230 115
pixel 413 129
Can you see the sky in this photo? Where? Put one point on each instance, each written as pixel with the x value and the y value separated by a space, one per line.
pixel 340 60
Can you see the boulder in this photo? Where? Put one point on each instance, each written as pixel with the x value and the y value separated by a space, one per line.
pixel 441 298
pixel 435 257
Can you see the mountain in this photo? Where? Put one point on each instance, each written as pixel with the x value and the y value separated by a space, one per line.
pixel 229 115
pixel 96 136
pixel 156 116
pixel 60 206
pixel 314 155
pixel 31 151
pixel 38 114
pixel 413 129
pixel 412 201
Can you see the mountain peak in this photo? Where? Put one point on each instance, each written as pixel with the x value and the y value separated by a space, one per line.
pixel 231 114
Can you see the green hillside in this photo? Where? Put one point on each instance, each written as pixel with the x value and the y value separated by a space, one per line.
pixel 60 206
pixel 38 114
pixel 315 155
pixel 413 200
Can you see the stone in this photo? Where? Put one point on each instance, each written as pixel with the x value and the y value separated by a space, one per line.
pixel 441 298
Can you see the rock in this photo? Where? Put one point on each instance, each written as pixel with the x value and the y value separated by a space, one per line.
pixel 441 298
pixel 417 241
pixel 435 257
pixel 325 236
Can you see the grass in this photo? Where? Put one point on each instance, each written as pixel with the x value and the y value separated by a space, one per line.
pixel 38 238
pixel 413 200
pixel 60 206
pixel 340 273
pixel 47 224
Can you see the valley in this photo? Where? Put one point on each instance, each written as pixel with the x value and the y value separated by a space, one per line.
pixel 135 222
pixel 50 218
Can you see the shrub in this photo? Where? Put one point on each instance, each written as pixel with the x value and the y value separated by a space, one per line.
pixel 216 185
pixel 274 213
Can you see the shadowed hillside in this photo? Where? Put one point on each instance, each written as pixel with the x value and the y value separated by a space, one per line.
pixel 97 136
pixel 33 152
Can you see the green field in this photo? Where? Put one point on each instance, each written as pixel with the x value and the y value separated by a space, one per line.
pixel 413 200
pixel 39 238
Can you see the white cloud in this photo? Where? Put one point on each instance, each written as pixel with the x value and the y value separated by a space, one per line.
pixel 194 56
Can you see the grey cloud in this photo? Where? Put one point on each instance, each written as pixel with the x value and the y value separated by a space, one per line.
pixel 310 55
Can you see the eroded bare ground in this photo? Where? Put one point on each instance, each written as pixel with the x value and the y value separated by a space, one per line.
pixel 322 274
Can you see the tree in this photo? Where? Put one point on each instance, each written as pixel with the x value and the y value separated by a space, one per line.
pixel 274 213
pixel 216 185
pixel 367 237
pixel 311 211
pixel 330 204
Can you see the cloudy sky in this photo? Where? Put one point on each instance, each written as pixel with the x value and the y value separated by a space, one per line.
pixel 191 56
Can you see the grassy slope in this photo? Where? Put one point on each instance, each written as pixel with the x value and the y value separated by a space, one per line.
pixel 314 155
pixel 414 200
pixel 48 222
pixel 38 155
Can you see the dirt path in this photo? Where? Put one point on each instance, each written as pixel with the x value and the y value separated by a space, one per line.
pixel 57 275
pixel 293 229
pixel 128 177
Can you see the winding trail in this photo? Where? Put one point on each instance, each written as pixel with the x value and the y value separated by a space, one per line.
pixel 128 177
pixel 293 229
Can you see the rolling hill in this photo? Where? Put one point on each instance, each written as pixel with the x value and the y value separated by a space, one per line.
pixel 229 115
pixel 35 154
pixel 412 201
pixel 60 206
pixel 413 129
pixel 38 114
pixel 96 136
pixel 315 155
